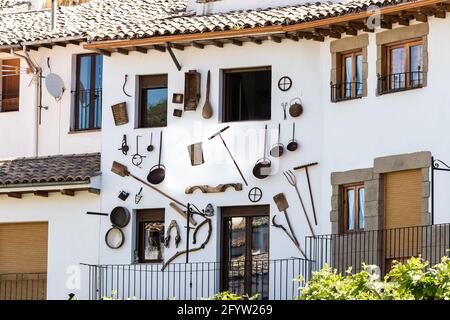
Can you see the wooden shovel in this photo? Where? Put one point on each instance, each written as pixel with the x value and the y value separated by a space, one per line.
pixel 282 204
pixel 207 110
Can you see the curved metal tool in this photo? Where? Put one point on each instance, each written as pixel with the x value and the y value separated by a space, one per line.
pixel 123 87
pixel 137 158
pixel 124 147
pixel 290 177
pixel 276 225
pixel 173 224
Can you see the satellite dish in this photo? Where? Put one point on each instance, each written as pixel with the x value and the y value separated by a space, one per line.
pixel 55 85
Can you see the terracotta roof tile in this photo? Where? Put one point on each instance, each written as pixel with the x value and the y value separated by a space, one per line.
pixel 52 169
pixel 127 19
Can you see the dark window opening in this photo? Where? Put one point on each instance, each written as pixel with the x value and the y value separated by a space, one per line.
pixel 150 235
pixel 10 85
pixel 153 101
pixel 247 94
pixel 88 92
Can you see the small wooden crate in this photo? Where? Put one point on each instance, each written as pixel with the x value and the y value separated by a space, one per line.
pixel 120 113
pixel 191 90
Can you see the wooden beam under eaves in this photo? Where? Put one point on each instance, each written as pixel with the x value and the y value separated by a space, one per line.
pixel 351 32
pixel 386 24
pixel 61 44
pixel 46 45
pixel 122 51
pixel 257 41
pixel 177 46
pixel 159 48
pixel 276 39
pixel 217 43
pixel 74 42
pixel 68 192
pixel 16 195
pixel 94 190
pixel 105 52
pixel 140 49
pixel 236 42
pixel 292 37
pixel 441 14
pixel 43 194
pixel 197 45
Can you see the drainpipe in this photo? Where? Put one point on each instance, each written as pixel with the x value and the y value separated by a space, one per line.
pixel 54 15
pixel 37 71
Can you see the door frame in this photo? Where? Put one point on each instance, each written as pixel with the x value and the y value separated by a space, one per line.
pixel 238 211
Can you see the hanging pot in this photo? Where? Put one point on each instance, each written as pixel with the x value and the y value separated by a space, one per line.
pixel 293 144
pixel 157 173
pixel 261 170
pixel 278 148
pixel 296 108
pixel 120 217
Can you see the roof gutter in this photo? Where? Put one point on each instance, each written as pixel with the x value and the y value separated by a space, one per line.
pixel 259 30
pixel 26 186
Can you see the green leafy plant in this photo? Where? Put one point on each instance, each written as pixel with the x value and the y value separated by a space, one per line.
pixel 231 296
pixel 412 280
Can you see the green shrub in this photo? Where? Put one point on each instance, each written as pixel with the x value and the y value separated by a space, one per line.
pixel 412 280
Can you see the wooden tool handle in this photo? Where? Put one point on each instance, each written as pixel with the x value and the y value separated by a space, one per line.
pixel 182 213
pixel 306 165
pixel 217 133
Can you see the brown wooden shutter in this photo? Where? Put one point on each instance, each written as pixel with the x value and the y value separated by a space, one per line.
pixel 23 247
pixel 403 199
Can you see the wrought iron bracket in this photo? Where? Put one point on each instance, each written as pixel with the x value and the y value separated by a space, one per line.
pixel 172 55
pixel 436 165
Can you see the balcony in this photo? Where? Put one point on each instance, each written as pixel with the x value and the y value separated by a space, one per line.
pixel 270 279
pixel 346 91
pixel 9 102
pixel 23 286
pixel 397 82
pixel 379 247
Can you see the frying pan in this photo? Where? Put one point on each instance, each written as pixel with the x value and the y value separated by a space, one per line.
pixel 157 173
pixel 278 148
pixel 120 217
pixel 261 170
pixel 150 146
pixel 293 144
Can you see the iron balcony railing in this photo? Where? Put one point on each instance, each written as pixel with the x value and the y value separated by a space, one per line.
pixel 379 247
pixel 400 81
pixel 270 279
pixel 346 91
pixel 23 286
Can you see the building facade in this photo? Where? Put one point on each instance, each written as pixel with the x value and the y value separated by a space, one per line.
pixel 354 92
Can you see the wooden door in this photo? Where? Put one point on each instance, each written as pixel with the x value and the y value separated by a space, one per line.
pixel 23 260
pixel 402 215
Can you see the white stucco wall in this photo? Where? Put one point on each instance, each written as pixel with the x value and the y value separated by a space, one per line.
pixel 73 236
pixel 18 128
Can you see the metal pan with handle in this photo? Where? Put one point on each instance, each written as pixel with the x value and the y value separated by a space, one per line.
pixel 261 170
pixel 157 173
pixel 278 148
pixel 293 144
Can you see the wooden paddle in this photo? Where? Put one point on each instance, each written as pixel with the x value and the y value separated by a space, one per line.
pixel 207 110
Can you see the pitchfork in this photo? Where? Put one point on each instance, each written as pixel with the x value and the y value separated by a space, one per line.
pixel 290 177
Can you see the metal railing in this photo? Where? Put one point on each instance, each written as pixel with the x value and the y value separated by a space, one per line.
pixel 400 81
pixel 346 91
pixel 23 286
pixel 379 247
pixel 270 279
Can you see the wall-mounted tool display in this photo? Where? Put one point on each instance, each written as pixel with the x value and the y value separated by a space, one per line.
pixel 120 217
pixel 296 108
pixel 173 225
pixel 114 238
pixel 196 154
pixel 137 157
pixel 280 226
pixel 284 106
pixel 285 83
pixel 157 173
pixel 123 87
pixel 262 168
pixel 123 195
pixel 282 205
pixel 219 134
pixel 124 147
pixel 192 81
pixel 138 197
pixel 292 144
pixel 255 194
pixel 177 98
pixel 278 148
pixel 122 171
pixel 182 213
pixel 217 189
pixel 120 114
pixel 177 113
pixel 306 166
pixel 207 109
pixel 150 147
pixel 192 210
pixel 292 180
